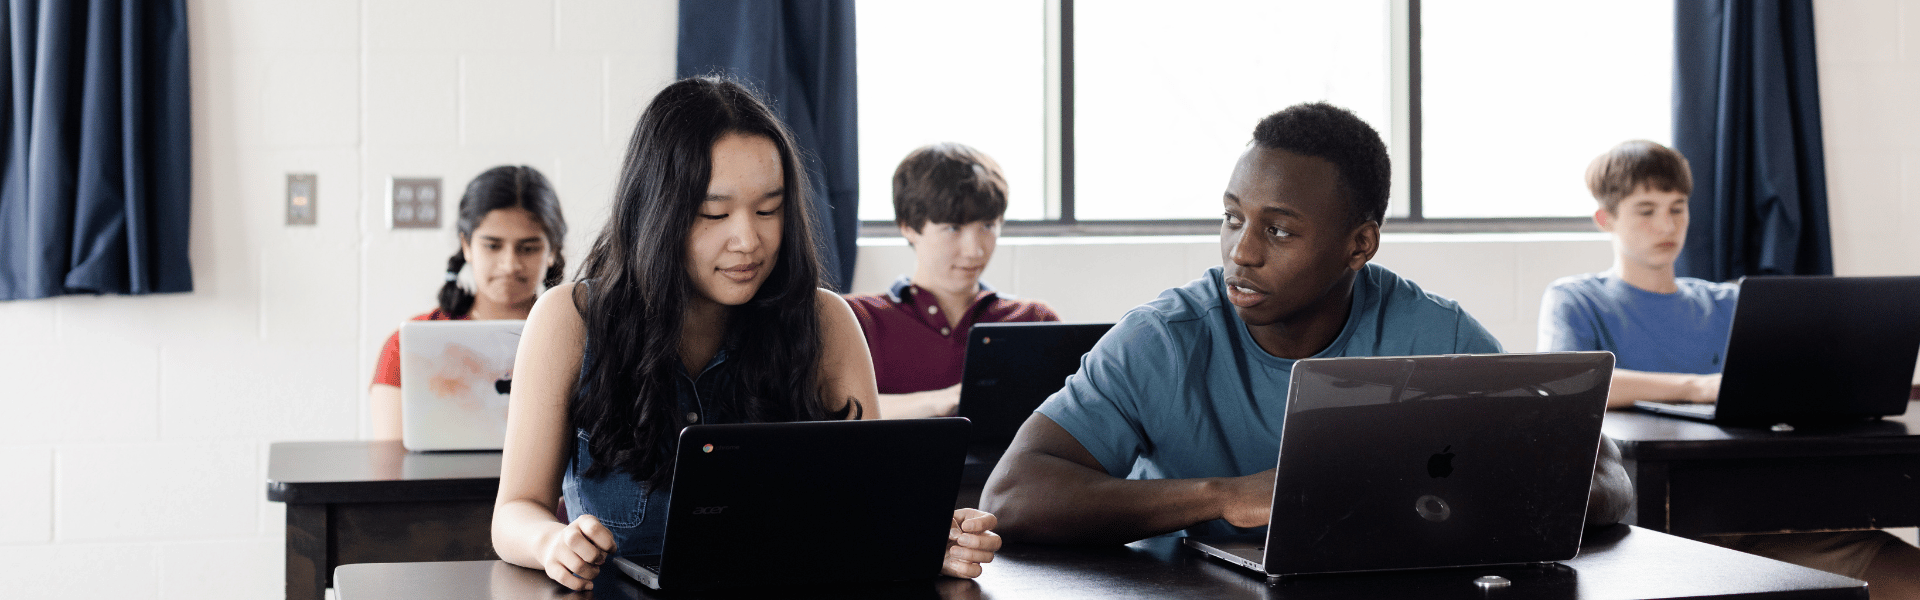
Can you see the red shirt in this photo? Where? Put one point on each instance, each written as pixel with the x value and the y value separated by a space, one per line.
pixel 914 350
pixel 387 371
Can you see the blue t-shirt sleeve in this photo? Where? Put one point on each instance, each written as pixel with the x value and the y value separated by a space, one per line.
pixel 1566 323
pixel 1101 403
pixel 1472 338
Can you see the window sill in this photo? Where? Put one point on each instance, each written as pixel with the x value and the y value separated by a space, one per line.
pixel 1185 232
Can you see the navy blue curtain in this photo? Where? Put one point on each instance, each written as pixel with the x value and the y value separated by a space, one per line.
pixel 95 189
pixel 1747 116
pixel 799 53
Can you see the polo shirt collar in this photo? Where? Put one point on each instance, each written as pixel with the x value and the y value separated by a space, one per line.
pixel 898 292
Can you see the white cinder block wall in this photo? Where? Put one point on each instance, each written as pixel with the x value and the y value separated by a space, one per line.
pixel 133 436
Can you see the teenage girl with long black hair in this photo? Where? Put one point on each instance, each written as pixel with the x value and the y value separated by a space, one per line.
pixel 699 303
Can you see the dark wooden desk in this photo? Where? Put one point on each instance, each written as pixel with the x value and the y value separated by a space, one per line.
pixel 375 502
pixel 1695 478
pixel 1616 562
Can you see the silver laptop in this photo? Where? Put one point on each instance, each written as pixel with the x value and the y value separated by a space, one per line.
pixel 454 380
pixel 1430 461
pixel 1813 349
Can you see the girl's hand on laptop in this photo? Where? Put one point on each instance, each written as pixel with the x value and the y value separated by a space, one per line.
pixel 572 555
pixel 971 543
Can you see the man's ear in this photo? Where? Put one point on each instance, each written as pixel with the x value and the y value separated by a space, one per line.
pixel 1362 243
pixel 1603 220
pixel 910 233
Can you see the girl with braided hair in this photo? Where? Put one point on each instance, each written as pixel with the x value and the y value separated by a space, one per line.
pixel 511 233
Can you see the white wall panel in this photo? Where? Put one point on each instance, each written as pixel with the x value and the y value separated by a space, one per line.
pixel 99 392
pixel 157 492
pixel 119 571
pixel 196 570
pixel 26 510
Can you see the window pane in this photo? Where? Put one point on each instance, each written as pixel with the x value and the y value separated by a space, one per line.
pixel 972 72
pixel 1519 95
pixel 1166 94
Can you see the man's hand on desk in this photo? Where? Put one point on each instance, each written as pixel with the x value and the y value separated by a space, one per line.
pixel 1247 501
pixel 1703 388
pixel 572 555
pixel 971 543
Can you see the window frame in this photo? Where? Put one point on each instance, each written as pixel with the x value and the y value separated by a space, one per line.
pixel 1060 205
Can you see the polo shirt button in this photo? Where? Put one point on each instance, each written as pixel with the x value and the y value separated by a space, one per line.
pixel 693 417
pixel 933 309
pixel 943 331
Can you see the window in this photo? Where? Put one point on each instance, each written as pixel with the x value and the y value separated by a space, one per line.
pixel 1166 94
pixel 1125 116
pixel 1516 99
pixel 973 73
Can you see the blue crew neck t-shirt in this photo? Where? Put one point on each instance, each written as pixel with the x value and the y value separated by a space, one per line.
pixel 1682 332
pixel 1178 389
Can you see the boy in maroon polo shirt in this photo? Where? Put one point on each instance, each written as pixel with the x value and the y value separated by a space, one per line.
pixel 949 201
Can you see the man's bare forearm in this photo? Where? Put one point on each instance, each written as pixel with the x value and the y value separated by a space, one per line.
pixel 1631 386
pixel 1048 499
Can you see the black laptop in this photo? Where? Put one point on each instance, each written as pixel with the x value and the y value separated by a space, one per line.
pixel 1813 349
pixel 806 503
pixel 1013 367
pixel 1430 461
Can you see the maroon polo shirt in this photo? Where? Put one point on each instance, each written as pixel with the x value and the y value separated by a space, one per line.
pixel 913 348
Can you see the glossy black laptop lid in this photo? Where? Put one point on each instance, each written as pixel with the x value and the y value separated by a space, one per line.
pixel 801 503
pixel 1012 367
pixel 1436 461
pixel 1820 349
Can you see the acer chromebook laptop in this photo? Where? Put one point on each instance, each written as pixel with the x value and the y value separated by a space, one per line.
pixel 1012 367
pixel 454 379
pixel 1430 461
pixel 1812 349
pixel 810 502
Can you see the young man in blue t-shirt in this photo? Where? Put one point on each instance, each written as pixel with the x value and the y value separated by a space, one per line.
pixel 1668 333
pixel 1174 419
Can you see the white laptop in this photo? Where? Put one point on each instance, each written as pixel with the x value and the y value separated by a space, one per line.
pixel 454 379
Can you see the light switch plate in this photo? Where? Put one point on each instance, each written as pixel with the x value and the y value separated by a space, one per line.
pixel 302 196
pixel 414 203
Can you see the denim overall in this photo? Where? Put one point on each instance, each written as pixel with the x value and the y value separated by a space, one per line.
pixel 636 515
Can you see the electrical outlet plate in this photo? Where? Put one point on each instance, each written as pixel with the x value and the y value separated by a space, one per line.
pixel 414 203
pixel 302 196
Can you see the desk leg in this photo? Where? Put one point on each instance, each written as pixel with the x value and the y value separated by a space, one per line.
pixel 1650 496
pixel 308 567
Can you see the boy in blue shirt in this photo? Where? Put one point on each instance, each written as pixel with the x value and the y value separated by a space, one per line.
pixel 1174 419
pixel 1668 333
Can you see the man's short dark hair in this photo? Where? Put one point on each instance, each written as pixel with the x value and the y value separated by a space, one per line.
pixel 1633 165
pixel 1337 136
pixel 948 182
